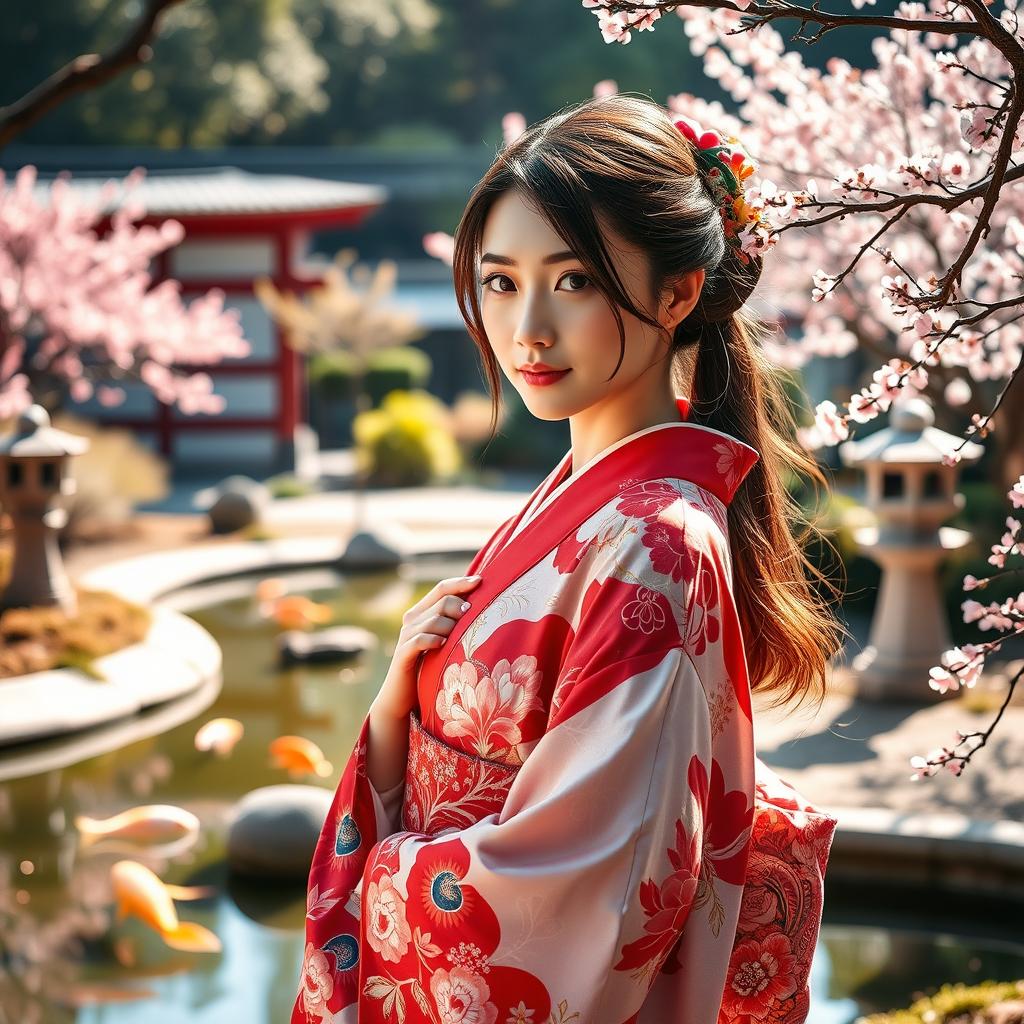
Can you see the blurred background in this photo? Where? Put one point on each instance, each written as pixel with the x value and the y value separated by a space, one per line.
pixel 315 154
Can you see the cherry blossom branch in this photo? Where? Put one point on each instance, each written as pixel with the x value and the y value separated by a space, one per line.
pixel 756 15
pixel 85 72
pixel 947 757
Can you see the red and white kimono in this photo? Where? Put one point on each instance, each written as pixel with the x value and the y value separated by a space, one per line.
pixel 583 833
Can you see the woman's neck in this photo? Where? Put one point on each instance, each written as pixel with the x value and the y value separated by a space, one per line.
pixel 600 425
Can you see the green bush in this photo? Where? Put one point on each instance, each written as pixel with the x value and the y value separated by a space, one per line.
pixel 408 441
pixel 399 367
pixel 952 1003
pixel 287 486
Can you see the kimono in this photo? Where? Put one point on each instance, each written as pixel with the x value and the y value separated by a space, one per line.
pixel 583 833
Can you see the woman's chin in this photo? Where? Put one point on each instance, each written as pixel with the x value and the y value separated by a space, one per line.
pixel 543 408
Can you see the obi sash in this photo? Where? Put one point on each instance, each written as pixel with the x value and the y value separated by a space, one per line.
pixel 783 890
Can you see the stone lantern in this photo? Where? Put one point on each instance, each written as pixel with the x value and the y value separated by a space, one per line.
pixel 33 475
pixel 912 493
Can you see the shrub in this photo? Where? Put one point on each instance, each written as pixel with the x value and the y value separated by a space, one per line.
pixel 407 441
pixel 401 367
pixel 288 486
pixel 114 475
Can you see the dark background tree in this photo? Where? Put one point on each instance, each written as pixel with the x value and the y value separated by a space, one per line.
pixel 389 73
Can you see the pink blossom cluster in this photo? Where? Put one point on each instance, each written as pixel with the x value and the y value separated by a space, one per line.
pixel 804 126
pixel 616 26
pixel 963 665
pixel 80 305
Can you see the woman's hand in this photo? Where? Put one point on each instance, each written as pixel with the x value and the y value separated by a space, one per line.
pixel 425 626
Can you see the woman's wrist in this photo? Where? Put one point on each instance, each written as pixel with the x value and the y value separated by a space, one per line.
pixel 388 747
pixel 383 709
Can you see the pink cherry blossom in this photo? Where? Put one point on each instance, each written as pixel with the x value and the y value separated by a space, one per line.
pixel 78 303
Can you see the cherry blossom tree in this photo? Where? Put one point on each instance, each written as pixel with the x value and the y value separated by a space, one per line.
pixel 900 179
pixel 79 313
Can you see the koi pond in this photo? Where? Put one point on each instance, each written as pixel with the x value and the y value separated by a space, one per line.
pixel 64 957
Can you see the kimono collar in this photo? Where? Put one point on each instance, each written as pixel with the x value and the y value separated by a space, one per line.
pixel 709 458
pixel 686 451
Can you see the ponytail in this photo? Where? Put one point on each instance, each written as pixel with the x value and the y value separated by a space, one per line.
pixel 789 630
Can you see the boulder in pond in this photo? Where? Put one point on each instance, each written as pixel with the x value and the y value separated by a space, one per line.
pixel 274 830
pixel 338 643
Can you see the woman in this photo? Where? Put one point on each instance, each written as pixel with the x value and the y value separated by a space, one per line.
pixel 552 812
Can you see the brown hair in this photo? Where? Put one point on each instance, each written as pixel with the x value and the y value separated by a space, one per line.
pixel 623 158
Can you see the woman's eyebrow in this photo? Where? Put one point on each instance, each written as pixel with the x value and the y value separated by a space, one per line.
pixel 558 257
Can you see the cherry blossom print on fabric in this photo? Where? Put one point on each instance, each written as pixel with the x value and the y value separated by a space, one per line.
pixel 447 788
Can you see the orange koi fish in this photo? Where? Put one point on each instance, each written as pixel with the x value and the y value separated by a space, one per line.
pixel 270 589
pixel 298 612
pixel 299 756
pixel 139 893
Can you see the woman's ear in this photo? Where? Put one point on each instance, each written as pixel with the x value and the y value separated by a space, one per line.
pixel 679 297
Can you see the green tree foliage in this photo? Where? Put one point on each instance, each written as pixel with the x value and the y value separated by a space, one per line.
pixel 393 73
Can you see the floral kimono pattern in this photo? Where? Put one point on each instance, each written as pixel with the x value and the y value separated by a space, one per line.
pixel 583 833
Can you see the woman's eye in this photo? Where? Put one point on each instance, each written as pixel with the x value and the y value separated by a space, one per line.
pixel 576 274
pixel 494 277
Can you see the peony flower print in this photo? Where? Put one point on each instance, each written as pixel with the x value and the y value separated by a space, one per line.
pixel 488 709
pixel 645 613
pixel 760 973
pixel 387 929
pixel 462 997
pixel 317 983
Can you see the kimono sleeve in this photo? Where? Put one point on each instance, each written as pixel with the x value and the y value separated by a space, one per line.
pixel 569 900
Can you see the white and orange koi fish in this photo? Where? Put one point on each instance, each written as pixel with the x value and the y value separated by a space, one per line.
pixel 219 735
pixel 150 823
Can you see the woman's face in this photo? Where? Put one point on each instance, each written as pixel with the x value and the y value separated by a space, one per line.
pixel 538 306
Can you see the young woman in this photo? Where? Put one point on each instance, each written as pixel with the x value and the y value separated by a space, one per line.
pixel 553 811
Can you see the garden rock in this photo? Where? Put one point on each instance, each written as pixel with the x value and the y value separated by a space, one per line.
pixel 274 830
pixel 338 643
pixel 381 547
pixel 238 502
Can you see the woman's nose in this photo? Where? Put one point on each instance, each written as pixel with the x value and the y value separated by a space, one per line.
pixel 534 328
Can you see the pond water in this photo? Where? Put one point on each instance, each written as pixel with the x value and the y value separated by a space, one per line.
pixel 63 959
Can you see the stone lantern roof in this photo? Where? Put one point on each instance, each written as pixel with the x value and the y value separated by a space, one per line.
pixel 34 437
pixel 910 438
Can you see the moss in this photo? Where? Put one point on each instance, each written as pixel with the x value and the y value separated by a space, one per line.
pixel 952 1002
pixel 41 638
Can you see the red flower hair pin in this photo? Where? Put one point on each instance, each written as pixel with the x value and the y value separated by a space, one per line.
pixel 726 168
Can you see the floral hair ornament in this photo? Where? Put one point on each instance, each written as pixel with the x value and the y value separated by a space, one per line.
pixel 726 168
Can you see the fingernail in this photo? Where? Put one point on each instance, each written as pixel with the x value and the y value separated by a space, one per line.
pixel 465 605
pixel 474 577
